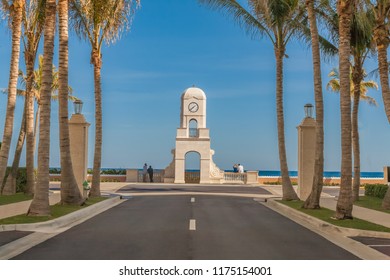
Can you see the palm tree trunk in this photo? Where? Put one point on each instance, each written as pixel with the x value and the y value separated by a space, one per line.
pixel 345 9
pixel 17 9
pixel 382 41
pixel 10 183
pixel 288 191
pixel 40 203
pixel 386 200
pixel 30 131
pixel 97 63
pixel 356 144
pixel 36 125
pixel 313 201
pixel 70 193
pixel 357 78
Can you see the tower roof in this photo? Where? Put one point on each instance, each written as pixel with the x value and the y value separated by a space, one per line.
pixel 194 92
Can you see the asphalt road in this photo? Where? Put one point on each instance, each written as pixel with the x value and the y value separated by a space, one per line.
pixel 236 189
pixel 187 227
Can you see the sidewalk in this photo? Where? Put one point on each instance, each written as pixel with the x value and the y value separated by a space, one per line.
pixel 376 217
pixel 330 202
pixel 20 208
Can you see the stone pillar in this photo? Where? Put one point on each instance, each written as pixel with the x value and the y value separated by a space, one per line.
pixel 78 132
pixel 251 177
pixel 204 171
pixel 179 171
pixel 131 175
pixel 306 156
pixel 386 174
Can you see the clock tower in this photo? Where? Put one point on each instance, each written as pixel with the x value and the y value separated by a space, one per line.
pixel 193 136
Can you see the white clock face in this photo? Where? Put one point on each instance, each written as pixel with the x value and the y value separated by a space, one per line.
pixel 193 107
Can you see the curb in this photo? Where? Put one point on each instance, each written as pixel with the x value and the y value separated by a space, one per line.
pixel 335 234
pixel 54 225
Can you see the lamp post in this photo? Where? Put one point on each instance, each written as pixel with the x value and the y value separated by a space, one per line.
pixel 78 133
pixel 78 106
pixel 306 152
pixel 308 110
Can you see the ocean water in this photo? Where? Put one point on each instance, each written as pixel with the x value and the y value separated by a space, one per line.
pixel 326 174
pixel 276 173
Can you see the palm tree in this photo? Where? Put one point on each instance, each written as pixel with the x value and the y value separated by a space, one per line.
pixel 8 186
pixel 381 11
pixel 361 46
pixel 33 22
pixel 279 21
pixel 100 21
pixel 40 203
pixel 16 11
pixel 10 183
pixel 313 201
pixel 70 193
pixel 345 10
pixel 359 89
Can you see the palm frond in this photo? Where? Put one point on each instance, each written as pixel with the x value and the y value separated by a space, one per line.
pixel 79 19
pixel 102 20
pixel 375 73
pixel 19 92
pixel 252 23
pixel 120 16
pixel 334 85
pixel 327 48
pixel 5 11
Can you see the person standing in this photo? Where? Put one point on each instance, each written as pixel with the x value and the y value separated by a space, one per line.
pixel 235 168
pixel 144 172
pixel 150 172
pixel 240 168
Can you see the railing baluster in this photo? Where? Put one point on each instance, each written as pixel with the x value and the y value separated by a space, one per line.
pixel 235 177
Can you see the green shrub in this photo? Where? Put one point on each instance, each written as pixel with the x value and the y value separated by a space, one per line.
pixel 279 183
pixel 113 171
pixel 107 180
pixel 55 170
pixel 21 178
pixel 375 190
pixel 273 183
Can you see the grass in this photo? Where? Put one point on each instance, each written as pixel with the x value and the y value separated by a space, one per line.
pixel 326 215
pixel 57 211
pixel 8 199
pixel 371 202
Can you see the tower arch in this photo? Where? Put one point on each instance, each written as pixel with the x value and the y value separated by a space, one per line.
pixel 192 167
pixel 193 128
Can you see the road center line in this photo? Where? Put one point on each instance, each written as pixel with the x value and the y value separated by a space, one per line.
pixel 192 199
pixel 192 224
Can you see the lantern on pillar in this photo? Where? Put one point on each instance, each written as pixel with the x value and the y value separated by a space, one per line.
pixel 78 106
pixel 308 110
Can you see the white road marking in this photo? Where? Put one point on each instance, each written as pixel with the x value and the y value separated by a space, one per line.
pixel 379 245
pixel 192 224
pixel 192 199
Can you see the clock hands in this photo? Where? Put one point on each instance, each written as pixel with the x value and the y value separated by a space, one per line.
pixel 193 107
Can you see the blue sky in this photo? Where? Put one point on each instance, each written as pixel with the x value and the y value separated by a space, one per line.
pixel 175 44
